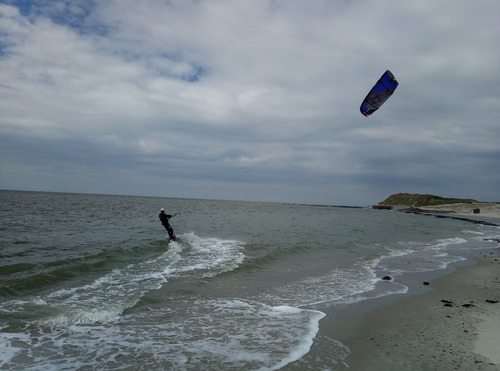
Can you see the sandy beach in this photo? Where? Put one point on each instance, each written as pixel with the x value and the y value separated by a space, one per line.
pixel 454 326
pixel 486 209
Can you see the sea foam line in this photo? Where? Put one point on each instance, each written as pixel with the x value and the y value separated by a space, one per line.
pixel 109 296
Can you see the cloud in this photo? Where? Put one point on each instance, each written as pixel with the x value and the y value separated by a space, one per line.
pixel 250 99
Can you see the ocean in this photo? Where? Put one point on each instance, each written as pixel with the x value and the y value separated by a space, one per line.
pixel 89 282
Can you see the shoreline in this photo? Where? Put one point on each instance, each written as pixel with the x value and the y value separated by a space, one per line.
pixel 485 209
pixel 454 325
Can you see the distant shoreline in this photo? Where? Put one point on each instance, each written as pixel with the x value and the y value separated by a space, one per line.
pixel 425 203
pixel 485 209
pixel 478 210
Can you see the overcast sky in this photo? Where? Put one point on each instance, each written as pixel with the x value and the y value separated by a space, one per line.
pixel 250 100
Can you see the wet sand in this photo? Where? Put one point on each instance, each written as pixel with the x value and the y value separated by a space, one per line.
pixel 455 325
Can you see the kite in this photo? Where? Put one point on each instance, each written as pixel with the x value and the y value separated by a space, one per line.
pixel 382 90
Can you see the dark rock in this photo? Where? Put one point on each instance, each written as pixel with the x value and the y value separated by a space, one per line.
pixel 387 278
pixel 447 303
pixel 412 210
pixel 382 207
pixel 426 283
pixel 492 301
pixel 493 239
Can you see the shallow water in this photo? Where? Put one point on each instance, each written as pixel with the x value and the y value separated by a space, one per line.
pixel 89 281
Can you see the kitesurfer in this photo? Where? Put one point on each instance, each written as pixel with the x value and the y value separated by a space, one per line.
pixel 164 217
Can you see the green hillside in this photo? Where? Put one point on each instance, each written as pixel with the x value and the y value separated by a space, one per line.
pixel 422 200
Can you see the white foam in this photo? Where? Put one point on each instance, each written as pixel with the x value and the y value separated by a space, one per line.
pixel 286 309
pixel 7 341
pixel 211 256
pixel 395 289
pixel 304 346
pixel 241 333
pixel 333 286
pixel 107 297
pixel 479 233
pixel 441 243
pixel 420 256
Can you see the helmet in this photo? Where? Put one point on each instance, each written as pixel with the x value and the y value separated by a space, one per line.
pixel 162 209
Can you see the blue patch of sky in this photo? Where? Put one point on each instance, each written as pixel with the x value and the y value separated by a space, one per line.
pixel 3 46
pixel 65 12
pixel 75 14
pixel 194 75
pixel 24 6
pixel 199 71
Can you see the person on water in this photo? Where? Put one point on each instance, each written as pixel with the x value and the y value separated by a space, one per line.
pixel 164 220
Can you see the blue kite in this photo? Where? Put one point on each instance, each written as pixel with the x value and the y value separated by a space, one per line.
pixel 382 90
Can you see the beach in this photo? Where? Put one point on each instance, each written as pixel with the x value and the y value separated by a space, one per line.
pixel 486 209
pixel 456 325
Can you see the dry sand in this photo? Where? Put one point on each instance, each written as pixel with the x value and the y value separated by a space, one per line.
pixel 455 326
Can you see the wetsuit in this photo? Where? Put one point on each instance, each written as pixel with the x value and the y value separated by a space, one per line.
pixel 164 220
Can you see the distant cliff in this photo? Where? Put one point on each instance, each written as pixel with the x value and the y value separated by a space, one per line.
pixel 416 200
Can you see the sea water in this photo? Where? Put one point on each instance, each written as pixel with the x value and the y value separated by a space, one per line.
pixel 90 281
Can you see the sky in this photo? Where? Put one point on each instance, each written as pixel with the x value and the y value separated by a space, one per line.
pixel 250 99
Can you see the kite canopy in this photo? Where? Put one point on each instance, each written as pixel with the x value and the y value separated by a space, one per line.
pixel 382 90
